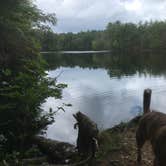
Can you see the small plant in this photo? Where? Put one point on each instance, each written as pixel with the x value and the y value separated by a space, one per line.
pixel 108 142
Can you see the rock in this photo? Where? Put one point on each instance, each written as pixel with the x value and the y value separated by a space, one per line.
pixel 57 152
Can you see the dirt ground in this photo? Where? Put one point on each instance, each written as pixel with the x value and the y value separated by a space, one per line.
pixel 126 155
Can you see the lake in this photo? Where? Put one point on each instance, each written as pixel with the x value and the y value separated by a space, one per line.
pixel 108 88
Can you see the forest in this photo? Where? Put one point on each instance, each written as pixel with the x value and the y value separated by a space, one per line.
pixel 118 37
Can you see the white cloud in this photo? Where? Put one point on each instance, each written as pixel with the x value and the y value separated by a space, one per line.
pixel 78 15
pixel 133 6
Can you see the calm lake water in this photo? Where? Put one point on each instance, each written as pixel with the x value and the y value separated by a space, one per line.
pixel 108 88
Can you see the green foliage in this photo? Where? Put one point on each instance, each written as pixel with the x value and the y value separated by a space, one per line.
pixel 11 158
pixel 122 36
pixel 21 111
pixel 70 41
pixel 18 21
pixel 24 85
pixel 118 37
pixel 109 142
pixel 148 36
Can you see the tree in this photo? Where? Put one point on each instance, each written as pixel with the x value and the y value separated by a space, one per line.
pixel 24 85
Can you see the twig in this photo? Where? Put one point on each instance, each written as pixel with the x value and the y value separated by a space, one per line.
pixel 58 75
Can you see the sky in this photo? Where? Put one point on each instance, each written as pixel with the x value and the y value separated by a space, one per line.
pixel 83 15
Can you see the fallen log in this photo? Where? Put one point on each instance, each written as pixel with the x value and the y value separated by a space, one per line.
pixel 57 152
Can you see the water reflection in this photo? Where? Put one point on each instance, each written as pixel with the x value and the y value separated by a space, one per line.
pixel 107 92
pixel 116 65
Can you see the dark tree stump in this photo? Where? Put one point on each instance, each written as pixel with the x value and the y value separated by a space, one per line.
pixel 87 134
pixel 146 100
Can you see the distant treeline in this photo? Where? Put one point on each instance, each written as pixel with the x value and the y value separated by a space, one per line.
pixel 90 40
pixel 148 36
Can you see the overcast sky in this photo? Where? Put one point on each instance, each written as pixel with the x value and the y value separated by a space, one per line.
pixel 82 15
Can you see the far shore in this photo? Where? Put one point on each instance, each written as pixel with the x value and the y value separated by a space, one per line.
pixel 76 52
